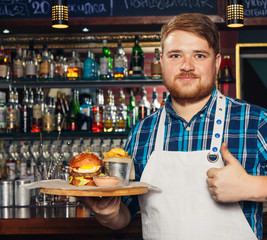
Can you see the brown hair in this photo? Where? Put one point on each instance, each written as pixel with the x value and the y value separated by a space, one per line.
pixel 195 23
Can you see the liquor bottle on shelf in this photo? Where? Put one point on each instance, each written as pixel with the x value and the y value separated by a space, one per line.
pixel 155 105
pixel 37 118
pixel 163 99
pixel 137 60
pixel 3 63
pixel 31 64
pixel 144 105
pixel 30 107
pixel 86 114
pixel 52 64
pixel 73 112
pixel 59 113
pixel 109 113
pixel 2 112
pixel 44 64
pixel 97 110
pixel 49 116
pixel 65 103
pixel 121 114
pixel 3 156
pixel 120 63
pixel 106 62
pixel 74 66
pixel 59 65
pixel 155 65
pixel 11 113
pixel 132 112
pixel 24 112
pixel 11 162
pixel 17 107
pixel 18 64
pixel 89 68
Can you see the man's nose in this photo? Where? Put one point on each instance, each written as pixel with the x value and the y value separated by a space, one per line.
pixel 187 65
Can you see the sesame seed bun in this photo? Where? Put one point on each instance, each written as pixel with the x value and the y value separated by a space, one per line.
pixel 83 159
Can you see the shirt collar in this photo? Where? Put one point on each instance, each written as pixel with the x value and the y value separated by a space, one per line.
pixel 208 109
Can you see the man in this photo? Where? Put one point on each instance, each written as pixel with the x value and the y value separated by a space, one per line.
pixel 206 190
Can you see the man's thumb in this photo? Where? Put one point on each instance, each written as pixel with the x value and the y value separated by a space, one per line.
pixel 227 156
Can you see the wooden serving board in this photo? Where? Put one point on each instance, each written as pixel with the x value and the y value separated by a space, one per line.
pixel 103 192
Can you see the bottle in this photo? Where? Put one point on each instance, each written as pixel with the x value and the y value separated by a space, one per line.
pixel 11 163
pixel 11 114
pixel 89 67
pixel 74 111
pixel 65 103
pixel 144 105
pixel 74 66
pixel 106 62
pixel 37 118
pixel 131 112
pixel 17 107
pixel 121 113
pixel 24 113
pixel 18 65
pixel 137 60
pixel 59 65
pixel 163 99
pixel 86 114
pixel 59 113
pixel 49 115
pixel 44 64
pixel 2 112
pixel 31 64
pixel 155 105
pixel 108 114
pixel 52 64
pixel 30 107
pixel 156 66
pixel 120 63
pixel 3 157
pixel 3 63
pixel 97 110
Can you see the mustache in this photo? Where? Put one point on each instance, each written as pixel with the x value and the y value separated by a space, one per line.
pixel 186 74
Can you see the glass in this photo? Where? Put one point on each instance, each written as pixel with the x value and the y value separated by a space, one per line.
pixel 41 173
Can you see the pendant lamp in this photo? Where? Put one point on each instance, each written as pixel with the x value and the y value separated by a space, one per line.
pixel 235 14
pixel 60 14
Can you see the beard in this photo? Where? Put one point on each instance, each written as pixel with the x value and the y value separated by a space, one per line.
pixel 188 92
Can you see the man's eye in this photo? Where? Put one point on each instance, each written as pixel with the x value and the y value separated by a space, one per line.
pixel 200 56
pixel 175 56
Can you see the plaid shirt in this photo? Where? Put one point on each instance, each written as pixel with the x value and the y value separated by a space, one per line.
pixel 245 132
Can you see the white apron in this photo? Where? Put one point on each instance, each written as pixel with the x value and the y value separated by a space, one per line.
pixel 184 208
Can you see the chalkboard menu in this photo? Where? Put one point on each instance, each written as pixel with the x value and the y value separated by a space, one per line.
pixel 254 8
pixel 107 8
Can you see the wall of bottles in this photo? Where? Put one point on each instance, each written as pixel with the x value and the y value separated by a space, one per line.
pixel 55 63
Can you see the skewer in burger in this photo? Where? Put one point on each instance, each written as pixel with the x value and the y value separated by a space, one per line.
pixel 83 167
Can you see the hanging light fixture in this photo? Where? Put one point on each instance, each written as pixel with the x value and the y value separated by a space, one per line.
pixel 60 14
pixel 235 14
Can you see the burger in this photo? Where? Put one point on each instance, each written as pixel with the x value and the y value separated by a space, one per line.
pixel 83 167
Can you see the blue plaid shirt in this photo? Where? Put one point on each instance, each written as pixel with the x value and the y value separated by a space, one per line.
pixel 245 132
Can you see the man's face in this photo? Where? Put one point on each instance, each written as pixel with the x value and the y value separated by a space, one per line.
pixel 189 67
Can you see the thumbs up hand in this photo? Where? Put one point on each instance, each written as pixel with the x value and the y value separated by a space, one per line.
pixel 229 183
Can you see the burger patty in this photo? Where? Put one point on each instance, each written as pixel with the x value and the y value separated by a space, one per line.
pixel 86 175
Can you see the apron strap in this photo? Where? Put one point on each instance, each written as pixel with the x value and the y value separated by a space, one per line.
pixel 217 133
pixel 161 129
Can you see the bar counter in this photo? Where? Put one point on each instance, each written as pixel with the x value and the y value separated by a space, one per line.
pixel 65 222
pixel 59 222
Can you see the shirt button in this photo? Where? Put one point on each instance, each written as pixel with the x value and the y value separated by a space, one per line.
pixel 201 115
pixel 188 129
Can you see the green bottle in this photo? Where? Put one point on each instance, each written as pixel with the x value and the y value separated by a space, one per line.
pixel 106 62
pixel 137 60
pixel 73 115
pixel 132 113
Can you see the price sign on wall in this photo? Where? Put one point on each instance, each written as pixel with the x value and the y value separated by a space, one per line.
pixel 107 8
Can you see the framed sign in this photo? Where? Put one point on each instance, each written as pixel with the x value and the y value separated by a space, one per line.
pixel 251 73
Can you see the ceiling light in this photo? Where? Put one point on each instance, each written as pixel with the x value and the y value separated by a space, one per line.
pixel 6 31
pixel 60 15
pixel 85 29
pixel 235 13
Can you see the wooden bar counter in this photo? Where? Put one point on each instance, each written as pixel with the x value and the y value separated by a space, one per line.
pixel 66 222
